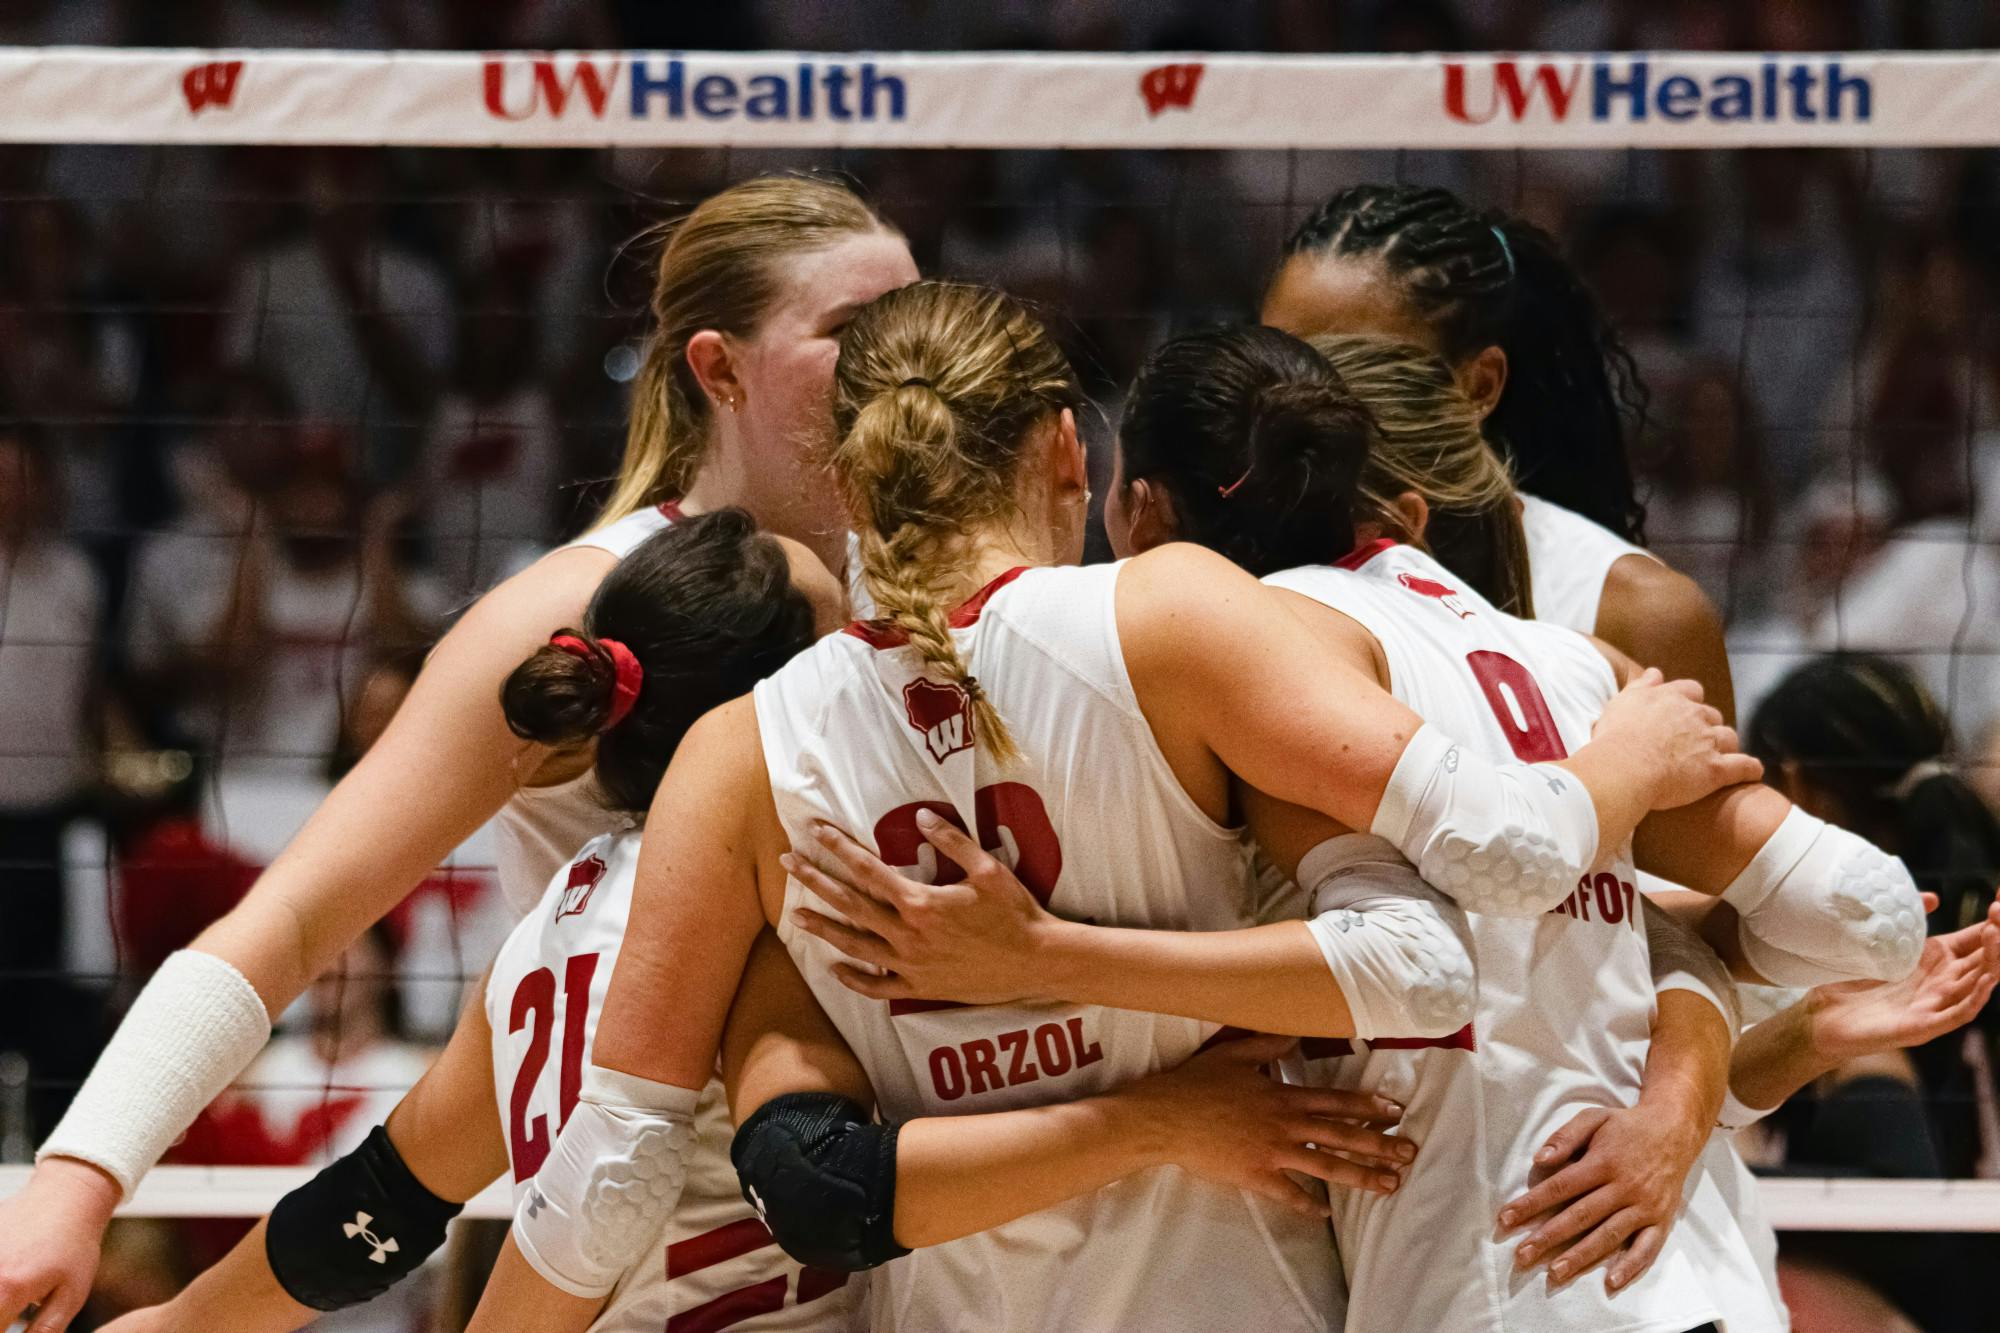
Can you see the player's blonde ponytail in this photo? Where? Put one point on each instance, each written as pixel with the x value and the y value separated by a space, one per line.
pixel 937 392
pixel 1430 441
pixel 721 267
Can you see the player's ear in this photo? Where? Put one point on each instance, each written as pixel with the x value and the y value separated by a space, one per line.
pixel 1154 521
pixel 1414 512
pixel 1482 377
pixel 713 362
pixel 1067 464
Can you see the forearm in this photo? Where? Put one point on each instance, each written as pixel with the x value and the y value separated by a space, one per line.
pixel 517 1297
pixel 1263 978
pixel 1687 1066
pixel 239 1293
pixel 1775 1058
pixel 1621 793
pixel 958 1175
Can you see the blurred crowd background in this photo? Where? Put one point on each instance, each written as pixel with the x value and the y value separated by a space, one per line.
pixel 268 417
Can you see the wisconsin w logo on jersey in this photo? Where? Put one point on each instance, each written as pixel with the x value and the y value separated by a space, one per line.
pixel 942 711
pixel 583 878
pixel 1448 597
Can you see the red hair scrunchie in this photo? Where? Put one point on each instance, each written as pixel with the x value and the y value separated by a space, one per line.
pixel 626 673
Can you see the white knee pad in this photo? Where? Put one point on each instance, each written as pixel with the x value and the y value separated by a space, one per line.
pixel 1504 839
pixel 610 1184
pixel 1820 904
pixel 1401 951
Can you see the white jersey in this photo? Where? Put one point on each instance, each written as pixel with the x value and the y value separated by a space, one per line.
pixel 539 827
pixel 1098 827
pixel 1565 1007
pixel 718 1266
pixel 1569 557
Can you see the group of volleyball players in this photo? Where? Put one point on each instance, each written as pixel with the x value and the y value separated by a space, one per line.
pixel 905 975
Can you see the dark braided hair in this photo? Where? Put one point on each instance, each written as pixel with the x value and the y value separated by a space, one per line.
pixel 1485 280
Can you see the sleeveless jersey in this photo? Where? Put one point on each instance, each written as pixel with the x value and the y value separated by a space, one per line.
pixel 539 827
pixel 1569 557
pixel 719 1267
pixel 1097 826
pixel 1565 1007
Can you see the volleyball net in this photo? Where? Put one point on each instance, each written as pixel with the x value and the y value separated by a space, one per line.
pixel 304 349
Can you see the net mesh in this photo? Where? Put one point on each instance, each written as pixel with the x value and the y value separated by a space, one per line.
pixel 273 416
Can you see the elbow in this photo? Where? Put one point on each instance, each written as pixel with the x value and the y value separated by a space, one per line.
pixel 1445 994
pixel 823 1178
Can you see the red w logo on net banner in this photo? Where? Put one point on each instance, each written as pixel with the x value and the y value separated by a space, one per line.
pixel 1166 86
pixel 211 85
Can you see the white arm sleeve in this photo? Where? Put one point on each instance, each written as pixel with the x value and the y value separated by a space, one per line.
pixel 1820 904
pixel 192 1030
pixel 1682 961
pixel 602 1198
pixel 1401 951
pixel 1504 839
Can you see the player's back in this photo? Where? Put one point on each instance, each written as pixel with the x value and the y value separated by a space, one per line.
pixel 1097 826
pixel 1565 1001
pixel 718 1266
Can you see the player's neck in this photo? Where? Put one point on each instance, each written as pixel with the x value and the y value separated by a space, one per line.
pixel 987 552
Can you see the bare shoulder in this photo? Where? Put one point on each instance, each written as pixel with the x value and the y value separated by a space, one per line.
pixel 549 595
pixel 1177 589
pixel 1660 617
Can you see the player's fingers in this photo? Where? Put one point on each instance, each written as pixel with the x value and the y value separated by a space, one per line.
pixel 1339 1172
pixel 1566 1184
pixel 856 944
pixel 875 985
pixel 1566 1226
pixel 848 861
pixel 977 863
pixel 1568 1141
pixel 58 1308
pixel 1931 901
pixel 1628 1267
pixel 1287 1193
pixel 1733 768
pixel 867 912
pixel 1362 1108
pixel 1600 1244
pixel 1330 1135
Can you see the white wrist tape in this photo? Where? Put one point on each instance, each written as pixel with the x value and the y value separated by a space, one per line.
pixel 1820 904
pixel 1401 951
pixel 1683 961
pixel 1505 839
pixel 601 1200
pixel 192 1030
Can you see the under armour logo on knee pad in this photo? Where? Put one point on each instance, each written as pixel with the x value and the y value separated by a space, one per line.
pixel 384 1245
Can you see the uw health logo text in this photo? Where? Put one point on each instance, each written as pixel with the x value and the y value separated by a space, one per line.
pixel 642 89
pixel 1634 91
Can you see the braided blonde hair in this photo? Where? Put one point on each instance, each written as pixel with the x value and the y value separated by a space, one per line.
pixel 1431 443
pixel 939 389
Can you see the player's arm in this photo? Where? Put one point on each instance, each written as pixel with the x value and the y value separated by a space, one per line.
pixel 1661 617
pixel 444 766
pixel 1809 902
pixel 1221 661
pixel 1382 953
pixel 612 1180
pixel 842 1190
pixel 1833 1024
pixel 440 1146
pixel 1616 1175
